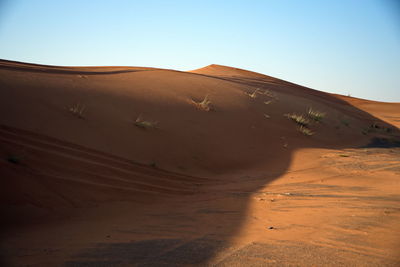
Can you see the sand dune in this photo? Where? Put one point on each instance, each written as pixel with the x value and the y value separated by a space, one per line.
pixel 128 147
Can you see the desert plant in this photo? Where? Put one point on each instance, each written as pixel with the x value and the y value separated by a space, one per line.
pixel 153 164
pixel 270 94
pixel 299 119
pixel 374 126
pixel 139 122
pixel 205 104
pixel 365 131
pixel 267 92
pixel 254 94
pixel 389 129
pixel 345 122
pixel 77 110
pixel 315 115
pixel 304 130
pixel 285 145
pixel 371 129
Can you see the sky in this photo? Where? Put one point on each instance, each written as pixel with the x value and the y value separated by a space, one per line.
pixel 350 47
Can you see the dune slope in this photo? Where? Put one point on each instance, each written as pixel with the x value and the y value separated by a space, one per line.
pixel 87 142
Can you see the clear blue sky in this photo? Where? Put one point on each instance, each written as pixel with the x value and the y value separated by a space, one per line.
pixel 347 47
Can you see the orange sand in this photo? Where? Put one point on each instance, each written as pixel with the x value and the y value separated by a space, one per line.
pixel 200 187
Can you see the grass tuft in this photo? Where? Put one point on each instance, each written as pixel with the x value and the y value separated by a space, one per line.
pixel 304 130
pixel 77 110
pixel 205 104
pixel 299 119
pixel 285 145
pixel 254 94
pixel 270 94
pixel 315 115
pixel 153 164
pixel 365 131
pixel 345 122
pixel 145 124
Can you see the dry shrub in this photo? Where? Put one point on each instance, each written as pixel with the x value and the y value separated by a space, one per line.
pixel 204 105
pixel 77 110
pixel 299 119
pixel 139 122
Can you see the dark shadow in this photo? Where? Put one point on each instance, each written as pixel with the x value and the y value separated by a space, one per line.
pixel 156 252
pixel 380 142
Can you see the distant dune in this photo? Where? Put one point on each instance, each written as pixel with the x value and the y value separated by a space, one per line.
pixel 75 138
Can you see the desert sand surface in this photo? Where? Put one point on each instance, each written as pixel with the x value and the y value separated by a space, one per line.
pixel 128 166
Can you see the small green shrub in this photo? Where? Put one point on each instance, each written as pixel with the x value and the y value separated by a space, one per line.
pixel 304 130
pixel 145 124
pixel 299 119
pixel 315 115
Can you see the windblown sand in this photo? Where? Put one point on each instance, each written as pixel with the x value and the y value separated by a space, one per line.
pixel 123 166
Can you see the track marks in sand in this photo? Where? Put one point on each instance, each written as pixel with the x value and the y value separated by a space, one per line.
pixel 60 165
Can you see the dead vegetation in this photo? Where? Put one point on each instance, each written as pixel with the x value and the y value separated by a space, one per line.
pixel 304 120
pixel 267 93
pixel 315 115
pixel 270 94
pixel 254 94
pixel 345 122
pixel 298 118
pixel 376 128
pixel 139 122
pixel 306 131
pixel 77 110
pixel 204 105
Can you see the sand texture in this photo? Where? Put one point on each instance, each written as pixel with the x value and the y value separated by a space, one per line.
pixel 219 166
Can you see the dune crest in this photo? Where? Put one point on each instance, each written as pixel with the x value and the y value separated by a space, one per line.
pixel 220 70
